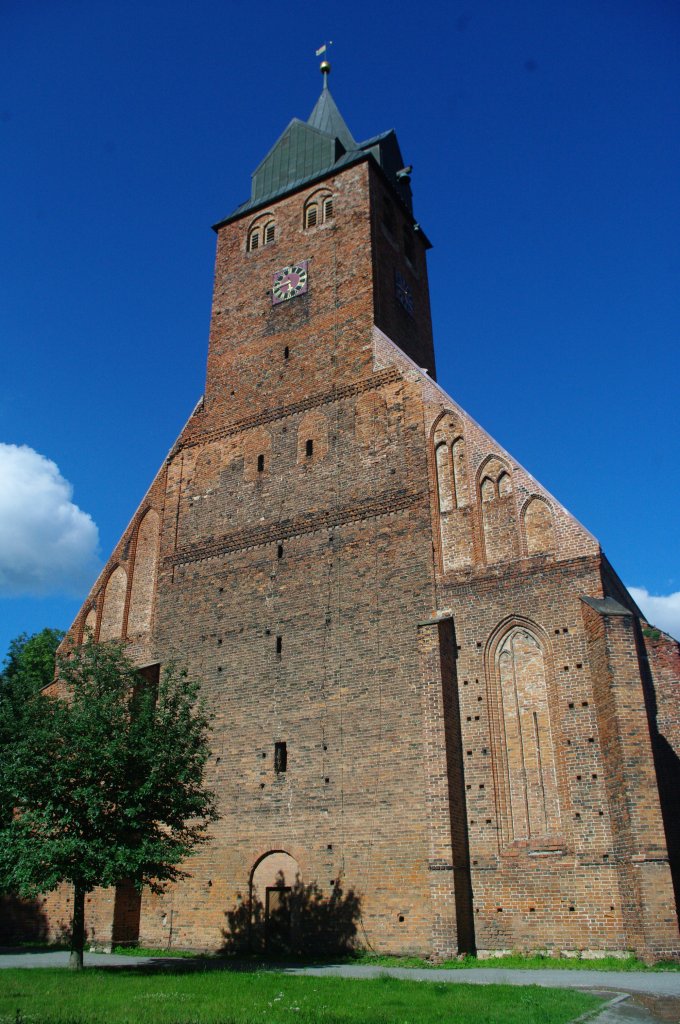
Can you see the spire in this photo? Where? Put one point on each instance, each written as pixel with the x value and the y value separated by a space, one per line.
pixel 326 117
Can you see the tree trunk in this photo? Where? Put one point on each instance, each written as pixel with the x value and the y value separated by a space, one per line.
pixel 77 929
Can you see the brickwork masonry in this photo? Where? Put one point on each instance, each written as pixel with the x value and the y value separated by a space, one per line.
pixel 360 576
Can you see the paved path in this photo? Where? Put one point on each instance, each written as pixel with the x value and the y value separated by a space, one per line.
pixel 660 984
pixel 655 996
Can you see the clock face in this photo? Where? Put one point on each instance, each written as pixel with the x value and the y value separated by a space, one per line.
pixel 403 292
pixel 289 282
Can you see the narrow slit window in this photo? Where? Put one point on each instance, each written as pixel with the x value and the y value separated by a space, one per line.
pixel 309 448
pixel 260 463
pixel 279 551
pixel 279 644
pixel 286 352
pixel 280 758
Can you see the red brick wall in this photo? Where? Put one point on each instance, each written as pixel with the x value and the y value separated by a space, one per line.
pixel 293 586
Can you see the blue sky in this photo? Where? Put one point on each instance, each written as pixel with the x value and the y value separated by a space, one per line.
pixel 546 153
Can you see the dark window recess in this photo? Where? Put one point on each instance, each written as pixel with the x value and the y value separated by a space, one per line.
pixel 279 551
pixel 150 679
pixel 309 448
pixel 260 463
pixel 286 352
pixel 279 644
pixel 151 675
pixel 280 758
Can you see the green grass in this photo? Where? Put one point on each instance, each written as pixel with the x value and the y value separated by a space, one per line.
pixel 518 961
pixel 224 997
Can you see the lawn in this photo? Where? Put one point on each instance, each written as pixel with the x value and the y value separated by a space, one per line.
pixel 516 961
pixel 520 961
pixel 44 996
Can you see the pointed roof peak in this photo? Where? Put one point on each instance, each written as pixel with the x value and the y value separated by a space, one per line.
pixel 310 150
pixel 326 117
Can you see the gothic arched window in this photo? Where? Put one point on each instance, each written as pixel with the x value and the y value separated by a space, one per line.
pixel 499 516
pixel 444 477
pixel 539 526
pixel 524 752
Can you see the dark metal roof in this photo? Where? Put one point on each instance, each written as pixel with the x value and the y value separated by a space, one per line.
pixel 606 605
pixel 300 152
pixel 327 118
pixel 252 205
pixel 308 151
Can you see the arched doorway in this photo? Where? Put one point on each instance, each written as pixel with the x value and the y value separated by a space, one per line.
pixel 271 884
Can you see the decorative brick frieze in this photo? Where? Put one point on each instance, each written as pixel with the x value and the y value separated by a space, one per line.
pixel 378 380
pixel 241 540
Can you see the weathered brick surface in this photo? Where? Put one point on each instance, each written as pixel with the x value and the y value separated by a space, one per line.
pixel 352 566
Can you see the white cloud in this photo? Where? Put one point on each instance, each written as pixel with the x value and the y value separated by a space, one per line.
pixel 662 612
pixel 47 544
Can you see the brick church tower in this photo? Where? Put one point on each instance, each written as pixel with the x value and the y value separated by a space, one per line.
pixel 437 709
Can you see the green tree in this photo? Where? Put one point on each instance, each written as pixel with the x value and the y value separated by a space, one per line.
pixel 30 661
pixel 108 786
pixel 28 667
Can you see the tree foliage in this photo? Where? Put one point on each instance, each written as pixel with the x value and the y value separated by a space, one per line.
pixel 28 667
pixel 107 787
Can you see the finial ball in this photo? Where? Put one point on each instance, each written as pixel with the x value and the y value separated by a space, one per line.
pixel 325 67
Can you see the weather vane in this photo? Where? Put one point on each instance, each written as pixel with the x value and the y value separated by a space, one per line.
pixel 325 66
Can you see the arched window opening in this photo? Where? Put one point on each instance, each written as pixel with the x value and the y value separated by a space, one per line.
pixel 111 627
pixel 499 515
pixel 488 489
pixel 90 623
pixel 144 576
pixel 459 474
pixel 318 209
pixel 444 477
pixel 525 750
pixel 504 485
pixel 263 232
pixel 456 526
pixel 539 527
